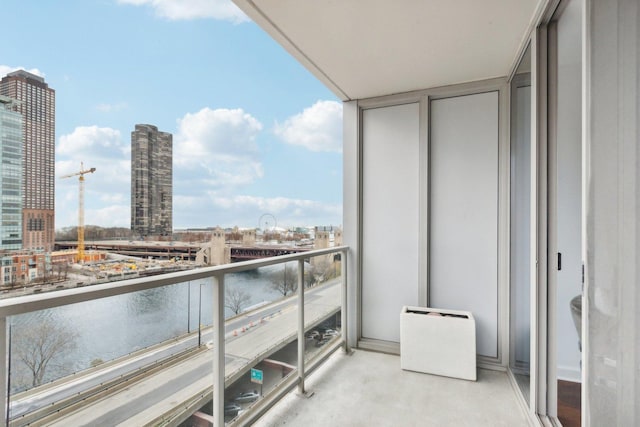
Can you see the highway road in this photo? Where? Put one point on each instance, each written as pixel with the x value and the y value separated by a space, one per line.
pixel 202 367
pixel 267 328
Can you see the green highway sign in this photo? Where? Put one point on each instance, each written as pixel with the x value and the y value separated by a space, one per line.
pixel 256 376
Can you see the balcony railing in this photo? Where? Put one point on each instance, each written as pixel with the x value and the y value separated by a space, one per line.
pixel 41 301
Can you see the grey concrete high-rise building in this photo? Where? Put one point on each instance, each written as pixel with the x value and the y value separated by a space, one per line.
pixel 10 175
pixel 151 181
pixel 37 107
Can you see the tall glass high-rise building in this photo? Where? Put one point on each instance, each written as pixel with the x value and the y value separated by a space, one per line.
pixel 151 181
pixel 10 175
pixel 37 107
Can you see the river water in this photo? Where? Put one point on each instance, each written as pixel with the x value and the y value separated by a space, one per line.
pixel 112 327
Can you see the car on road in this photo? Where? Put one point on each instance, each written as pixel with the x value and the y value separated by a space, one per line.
pixel 330 333
pixel 323 341
pixel 247 396
pixel 313 335
pixel 232 409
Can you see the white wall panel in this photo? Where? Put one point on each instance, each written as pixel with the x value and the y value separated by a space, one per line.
pixel 390 217
pixel 464 211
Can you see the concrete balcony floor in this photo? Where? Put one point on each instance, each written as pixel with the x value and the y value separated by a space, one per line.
pixel 370 389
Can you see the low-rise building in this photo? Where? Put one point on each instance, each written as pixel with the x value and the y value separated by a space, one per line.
pixel 23 267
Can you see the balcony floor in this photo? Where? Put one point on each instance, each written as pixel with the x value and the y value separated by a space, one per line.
pixel 369 388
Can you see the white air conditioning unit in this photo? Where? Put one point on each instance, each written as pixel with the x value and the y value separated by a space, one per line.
pixel 438 341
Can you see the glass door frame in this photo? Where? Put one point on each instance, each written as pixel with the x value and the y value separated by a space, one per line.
pixel 543 381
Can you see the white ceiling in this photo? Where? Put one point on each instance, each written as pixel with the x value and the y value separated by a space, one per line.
pixel 366 48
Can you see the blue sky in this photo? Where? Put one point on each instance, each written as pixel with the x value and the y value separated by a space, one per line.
pixel 253 131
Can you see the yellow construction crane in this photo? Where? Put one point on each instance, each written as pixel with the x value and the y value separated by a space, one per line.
pixel 80 258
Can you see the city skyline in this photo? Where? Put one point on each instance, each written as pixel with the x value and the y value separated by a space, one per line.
pixel 251 135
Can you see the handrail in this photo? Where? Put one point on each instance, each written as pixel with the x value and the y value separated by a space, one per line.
pixel 35 302
pixel 29 303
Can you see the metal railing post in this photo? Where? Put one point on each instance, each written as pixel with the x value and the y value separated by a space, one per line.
pixel 4 371
pixel 218 350
pixel 200 316
pixel 343 314
pixel 188 307
pixel 301 373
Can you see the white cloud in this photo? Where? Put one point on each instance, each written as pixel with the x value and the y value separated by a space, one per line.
pixel 276 205
pixel 107 190
pixel 97 211
pixel 318 128
pixel 193 9
pixel 6 69
pixel 244 210
pixel 216 149
pixel 92 141
pixel 109 216
pixel 114 198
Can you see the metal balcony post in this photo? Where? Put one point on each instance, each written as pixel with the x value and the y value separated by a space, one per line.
pixel 4 371
pixel 343 314
pixel 200 316
pixel 218 350
pixel 301 373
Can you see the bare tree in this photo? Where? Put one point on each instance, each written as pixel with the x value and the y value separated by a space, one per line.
pixel 326 268
pixel 67 233
pixel 94 232
pixel 39 347
pixel 236 299
pixel 61 269
pixel 286 281
pixel 309 275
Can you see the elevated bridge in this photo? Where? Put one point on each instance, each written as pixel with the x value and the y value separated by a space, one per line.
pixel 181 250
pixel 244 253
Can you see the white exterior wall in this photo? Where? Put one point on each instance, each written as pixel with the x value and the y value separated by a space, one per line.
pixel 611 331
